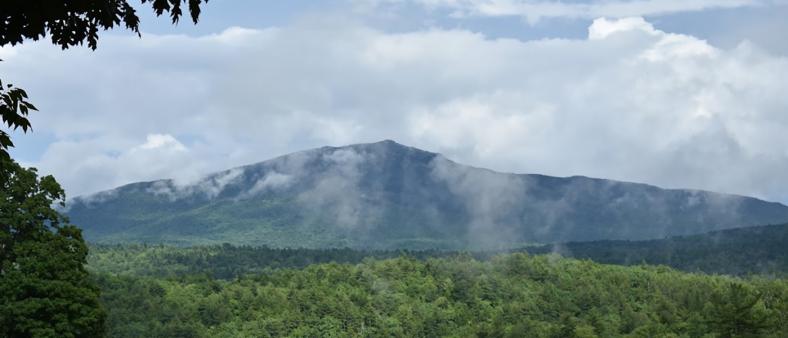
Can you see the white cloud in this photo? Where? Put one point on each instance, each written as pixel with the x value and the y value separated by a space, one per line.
pixel 105 161
pixel 272 180
pixel 161 141
pixel 601 28
pixel 535 10
pixel 630 102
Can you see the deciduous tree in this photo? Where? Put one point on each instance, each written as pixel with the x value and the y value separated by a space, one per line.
pixel 45 290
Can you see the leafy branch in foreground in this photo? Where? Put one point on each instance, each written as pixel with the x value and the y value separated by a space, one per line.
pixel 72 22
pixel 14 109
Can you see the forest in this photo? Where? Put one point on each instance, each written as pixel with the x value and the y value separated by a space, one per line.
pixel 244 291
pixel 741 252
pixel 508 295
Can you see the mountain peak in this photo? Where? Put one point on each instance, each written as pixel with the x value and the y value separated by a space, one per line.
pixel 373 153
pixel 381 145
pixel 389 142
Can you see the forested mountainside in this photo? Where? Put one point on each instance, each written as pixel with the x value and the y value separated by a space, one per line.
pixel 512 295
pixel 753 250
pixel 744 251
pixel 388 196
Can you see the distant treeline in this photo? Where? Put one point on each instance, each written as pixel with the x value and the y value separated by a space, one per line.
pixel 759 250
pixel 745 251
pixel 226 261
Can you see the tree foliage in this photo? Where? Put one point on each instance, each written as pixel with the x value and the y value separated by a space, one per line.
pixel 72 22
pixel 741 252
pixel 45 290
pixel 514 295
pixel 14 109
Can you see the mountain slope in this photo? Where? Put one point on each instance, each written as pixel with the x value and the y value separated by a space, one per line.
pixel 386 195
pixel 741 251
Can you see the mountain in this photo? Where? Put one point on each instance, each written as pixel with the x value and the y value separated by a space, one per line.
pixel 385 195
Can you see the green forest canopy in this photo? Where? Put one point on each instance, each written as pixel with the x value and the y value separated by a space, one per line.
pixel 741 252
pixel 513 295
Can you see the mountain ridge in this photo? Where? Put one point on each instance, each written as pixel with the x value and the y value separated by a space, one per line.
pixel 387 195
pixel 388 141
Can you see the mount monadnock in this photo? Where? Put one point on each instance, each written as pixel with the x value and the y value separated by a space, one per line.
pixel 388 196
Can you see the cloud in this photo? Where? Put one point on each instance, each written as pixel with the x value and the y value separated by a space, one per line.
pixel 160 141
pixel 489 198
pixel 273 180
pixel 535 10
pixel 603 28
pixel 104 161
pixel 629 102
pixel 336 191
pixel 214 185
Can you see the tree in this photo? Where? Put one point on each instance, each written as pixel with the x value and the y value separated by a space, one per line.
pixel 45 290
pixel 69 23
pixel 739 312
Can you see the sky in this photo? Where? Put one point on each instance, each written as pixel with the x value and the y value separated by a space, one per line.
pixel 675 93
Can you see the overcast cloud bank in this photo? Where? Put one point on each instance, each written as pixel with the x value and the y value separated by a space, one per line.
pixel 630 102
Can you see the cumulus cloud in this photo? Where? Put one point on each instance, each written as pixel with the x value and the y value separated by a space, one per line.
pixel 629 102
pixel 535 10
pixel 104 161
